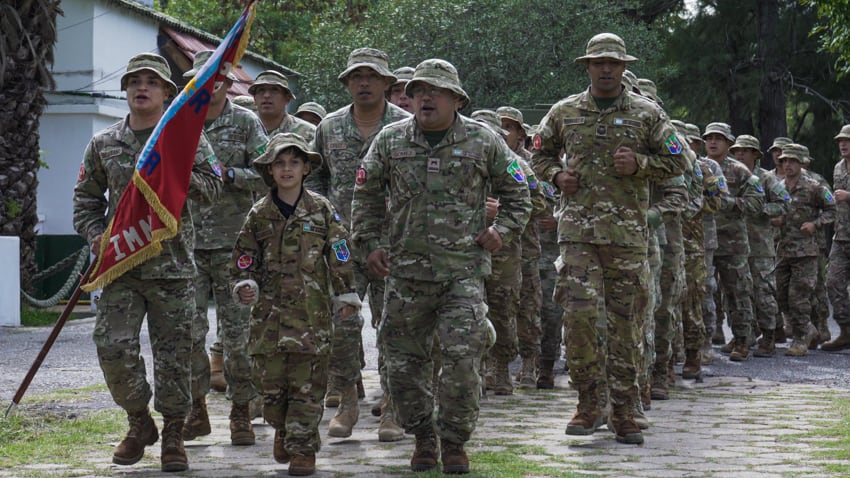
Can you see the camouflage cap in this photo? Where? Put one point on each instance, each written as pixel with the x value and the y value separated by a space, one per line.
pixel 606 45
pixel 844 133
pixel 745 141
pixel 153 63
pixel 439 73
pixel 693 132
pixel 201 59
pixel 245 101
pixel 491 119
pixel 403 74
pixel 271 77
pixel 630 81
pixel 779 142
pixel 513 114
pixel 722 129
pixel 794 151
pixel 648 89
pixel 311 107
pixel 370 58
pixel 807 159
pixel 680 126
pixel 278 143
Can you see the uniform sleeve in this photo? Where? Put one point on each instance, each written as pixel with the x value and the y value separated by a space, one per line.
pixel 750 200
pixel 204 184
pixel 318 181
pixel 338 255
pixel 368 208
pixel 247 177
pixel 512 191
pixel 711 190
pixel 777 200
pixel 695 187
pixel 246 258
pixel 827 204
pixel 90 202
pixel 666 158
pixel 674 200
pixel 539 205
pixel 547 149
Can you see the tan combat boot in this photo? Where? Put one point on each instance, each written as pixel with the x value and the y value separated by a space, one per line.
pixel 378 406
pixel 728 347
pixel 198 422
pixel 217 381
pixel 779 334
pixel 142 433
pixel 173 455
pixel 333 394
pixel 812 337
pixel 839 343
pixel 502 384
pixel 347 414
pixel 455 461
pixel 588 417
pixel 660 384
pixel 692 368
pixel 241 430
pixel 798 348
pixel 625 428
pixel 767 344
pixel 528 373
pixel 303 465
pixel 718 338
pixel 546 375
pixel 279 451
pixel 389 429
pixel 741 351
pixel 425 455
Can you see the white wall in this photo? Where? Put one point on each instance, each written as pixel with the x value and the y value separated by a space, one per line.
pixel 10 277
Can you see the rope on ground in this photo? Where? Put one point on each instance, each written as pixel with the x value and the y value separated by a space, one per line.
pixel 82 257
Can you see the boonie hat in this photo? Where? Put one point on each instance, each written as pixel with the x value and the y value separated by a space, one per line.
pixel 245 101
pixel 680 126
pixel 807 159
pixel 403 74
pixel 693 132
pixel 270 77
pixel 439 73
pixel 278 143
pixel 311 107
pixel 369 58
pixel 746 141
pixel 153 63
pixel 200 60
pixel 513 114
pixel 779 142
pixel 720 128
pixel 491 119
pixel 794 151
pixel 844 133
pixel 606 45
pixel 647 88
pixel 630 81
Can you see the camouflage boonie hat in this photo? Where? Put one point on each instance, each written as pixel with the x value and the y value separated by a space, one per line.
pixel 271 77
pixel 513 114
pixel 693 133
pixel 808 155
pixel 681 128
pixel 439 73
pixel 722 129
pixel 403 74
pixel 490 119
pixel 245 101
pixel 630 81
pixel 606 45
pixel 277 144
pixel 844 133
pixel 311 107
pixel 201 59
pixel 153 63
pixel 794 151
pixel 745 141
pixel 370 58
pixel 647 88
pixel 779 142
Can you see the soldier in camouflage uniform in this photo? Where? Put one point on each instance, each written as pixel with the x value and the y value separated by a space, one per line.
pixel 311 112
pixel 396 94
pixel 838 272
pixel 271 95
pixel 237 137
pixel 343 138
pixel 760 232
pixel 292 263
pixel 551 313
pixel 775 152
pixel 745 200
pixel 812 208
pixel 432 173
pixel 161 288
pixel 615 143
pixel 820 301
pixel 246 102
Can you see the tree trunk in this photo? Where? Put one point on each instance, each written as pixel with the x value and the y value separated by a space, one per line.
pixel 771 114
pixel 26 52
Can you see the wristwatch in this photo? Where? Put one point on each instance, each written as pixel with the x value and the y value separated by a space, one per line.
pixel 231 175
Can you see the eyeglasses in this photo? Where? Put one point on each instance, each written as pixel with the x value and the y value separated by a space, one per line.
pixel 432 91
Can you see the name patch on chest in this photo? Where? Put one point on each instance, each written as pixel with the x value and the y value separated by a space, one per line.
pixel 337 145
pixel 403 153
pixel 569 121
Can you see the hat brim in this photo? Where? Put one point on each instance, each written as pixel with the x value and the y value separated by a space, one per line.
pixel 158 74
pixel 734 147
pixel 269 155
pixel 728 137
pixel 372 66
pixel 253 89
pixel 841 136
pixel 193 72
pixel 612 55
pixel 439 84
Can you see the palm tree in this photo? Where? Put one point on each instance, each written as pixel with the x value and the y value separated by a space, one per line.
pixel 27 36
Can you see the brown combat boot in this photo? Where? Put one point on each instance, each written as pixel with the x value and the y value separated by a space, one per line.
pixel 708 355
pixel 361 390
pixel 347 414
pixel 142 433
pixel 728 347
pixel 741 350
pixel 546 376
pixel 718 338
pixel 588 417
pixel 660 385
pixel 502 384
pixel 303 465
pixel 241 430
pixel 528 373
pixel 279 451
pixel 333 395
pixel 824 335
pixel 455 461
pixel 625 428
pixel 812 337
pixel 217 381
pixel 378 406
pixel 425 455
pixel 767 345
pixel 198 422
pixel 692 368
pixel 389 429
pixel 779 334
pixel 839 343
pixel 173 456
pixel 646 396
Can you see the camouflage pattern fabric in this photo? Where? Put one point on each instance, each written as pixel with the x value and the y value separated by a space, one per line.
pixel 820 299
pixel 795 282
pixel 646 357
pixel 693 327
pixel 838 272
pixel 551 313
pixel 810 202
pixel 294 124
pixel 712 202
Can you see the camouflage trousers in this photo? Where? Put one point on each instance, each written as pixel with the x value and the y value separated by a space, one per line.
pixel 765 309
pixel 502 296
pixel 454 310
pixel 168 304
pixel 347 354
pixel 551 313
pixel 820 301
pixel 604 290
pixel 795 283
pixel 293 387
pixel 693 327
pixel 646 355
pixel 671 287
pixel 709 307
pixel 232 321
pixel 837 280
pixel 528 329
pixel 736 284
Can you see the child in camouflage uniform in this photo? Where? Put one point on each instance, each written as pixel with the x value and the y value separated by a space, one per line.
pixel 292 263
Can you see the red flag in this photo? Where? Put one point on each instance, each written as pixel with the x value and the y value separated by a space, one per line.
pixel 149 210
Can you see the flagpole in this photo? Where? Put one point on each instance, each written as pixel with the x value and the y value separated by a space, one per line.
pixel 50 340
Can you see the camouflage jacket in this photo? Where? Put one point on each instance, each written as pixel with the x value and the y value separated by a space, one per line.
pixel 436 198
pixel 300 265
pixel 237 137
pixel 668 198
pixel 745 201
pixel 528 246
pixel 822 243
pixel 810 202
pixel 693 223
pixel 108 166
pixel 342 148
pixel 760 232
pixel 608 208
pixel 292 124
pixel 709 223
pixel 841 180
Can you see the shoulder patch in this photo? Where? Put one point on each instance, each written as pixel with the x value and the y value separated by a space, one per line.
pixel 721 183
pixel 341 250
pixel 673 145
pixel 336 217
pixel 754 180
pixel 82 174
pixel 697 171
pixel 261 149
pixel 537 142
pixel 244 261
pixel 516 171
pixel 827 195
pixel 360 176
pixel 548 189
pixel 216 166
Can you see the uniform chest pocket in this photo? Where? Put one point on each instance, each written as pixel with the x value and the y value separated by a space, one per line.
pixel 407 179
pixel 120 165
pixel 313 241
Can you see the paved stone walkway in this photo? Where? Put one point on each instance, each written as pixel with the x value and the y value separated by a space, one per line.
pixel 724 427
